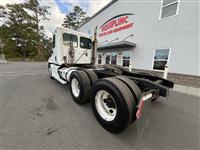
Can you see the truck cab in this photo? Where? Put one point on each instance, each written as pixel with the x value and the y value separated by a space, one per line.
pixel 71 47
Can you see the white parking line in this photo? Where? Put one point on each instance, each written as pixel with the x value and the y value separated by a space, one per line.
pixel 16 72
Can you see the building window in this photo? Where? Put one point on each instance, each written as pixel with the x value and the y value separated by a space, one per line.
pixel 169 8
pixel 126 58
pixel 99 59
pixel 114 58
pixel 161 58
pixel 108 59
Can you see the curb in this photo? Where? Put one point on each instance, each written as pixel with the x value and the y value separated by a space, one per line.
pixel 187 90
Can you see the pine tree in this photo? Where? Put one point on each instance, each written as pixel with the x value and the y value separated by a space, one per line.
pixel 2 12
pixel 18 31
pixel 40 13
pixel 21 33
pixel 75 18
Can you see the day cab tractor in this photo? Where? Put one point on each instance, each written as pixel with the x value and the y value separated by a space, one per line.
pixel 117 95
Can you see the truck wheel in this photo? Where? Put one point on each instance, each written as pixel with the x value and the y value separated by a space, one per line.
pixel 79 87
pixel 112 104
pixel 135 90
pixel 50 71
pixel 91 75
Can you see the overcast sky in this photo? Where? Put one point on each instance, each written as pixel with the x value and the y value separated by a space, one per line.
pixel 61 7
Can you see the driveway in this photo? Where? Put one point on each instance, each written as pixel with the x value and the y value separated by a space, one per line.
pixel 39 113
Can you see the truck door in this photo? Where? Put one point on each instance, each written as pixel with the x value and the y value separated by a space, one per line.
pixel 83 55
pixel 70 42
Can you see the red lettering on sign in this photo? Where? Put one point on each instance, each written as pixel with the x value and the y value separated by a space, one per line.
pixel 127 26
pixel 115 25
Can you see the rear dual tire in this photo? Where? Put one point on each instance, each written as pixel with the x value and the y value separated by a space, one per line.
pixel 80 83
pixel 135 91
pixel 123 104
pixel 113 100
pixel 79 87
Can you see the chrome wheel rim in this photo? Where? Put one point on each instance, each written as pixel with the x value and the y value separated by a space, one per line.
pixel 75 86
pixel 105 105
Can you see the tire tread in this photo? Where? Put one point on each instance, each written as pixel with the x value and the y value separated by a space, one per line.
pixel 126 94
pixel 86 87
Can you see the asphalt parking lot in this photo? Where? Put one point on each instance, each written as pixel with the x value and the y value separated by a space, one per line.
pixel 39 113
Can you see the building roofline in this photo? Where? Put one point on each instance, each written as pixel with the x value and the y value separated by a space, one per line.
pixel 121 44
pixel 97 13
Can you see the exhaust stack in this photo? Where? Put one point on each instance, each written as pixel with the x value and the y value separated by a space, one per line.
pixel 94 47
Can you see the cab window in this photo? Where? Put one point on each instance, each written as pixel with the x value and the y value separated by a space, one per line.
pixel 70 39
pixel 85 43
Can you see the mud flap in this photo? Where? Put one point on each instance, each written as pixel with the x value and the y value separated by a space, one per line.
pixel 143 115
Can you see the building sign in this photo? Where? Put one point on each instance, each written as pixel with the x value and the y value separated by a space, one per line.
pixel 116 24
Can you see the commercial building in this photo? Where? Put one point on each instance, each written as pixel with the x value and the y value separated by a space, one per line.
pixel 148 34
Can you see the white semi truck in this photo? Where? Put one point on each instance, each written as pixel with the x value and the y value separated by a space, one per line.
pixel 117 95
